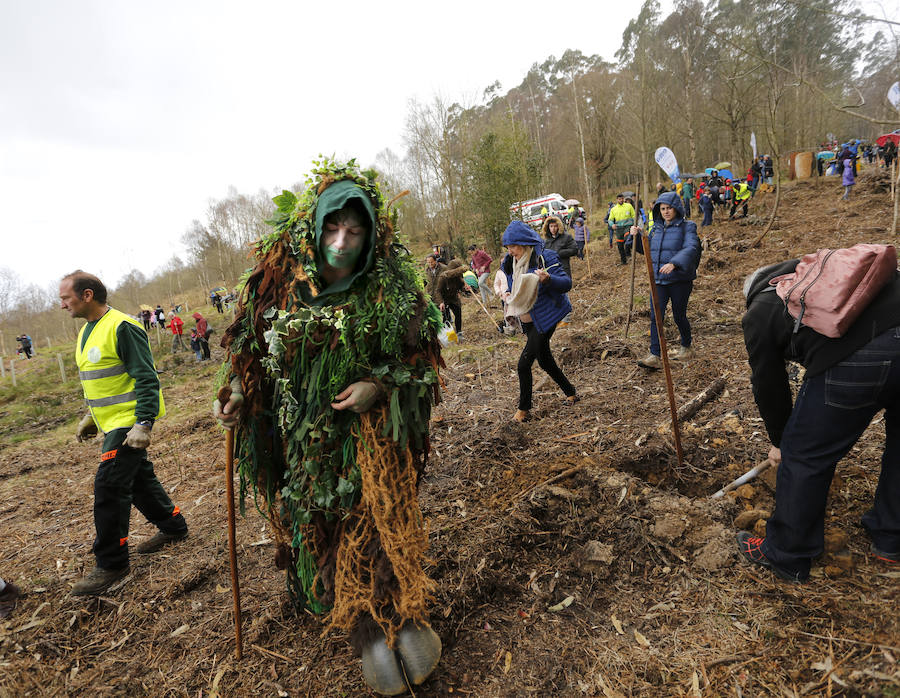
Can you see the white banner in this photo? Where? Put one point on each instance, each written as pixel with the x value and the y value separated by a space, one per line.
pixel 665 158
pixel 894 95
pixel 753 143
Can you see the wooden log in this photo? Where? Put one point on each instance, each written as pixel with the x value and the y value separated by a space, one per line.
pixel 689 409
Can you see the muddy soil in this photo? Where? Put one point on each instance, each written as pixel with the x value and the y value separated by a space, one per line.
pixel 570 560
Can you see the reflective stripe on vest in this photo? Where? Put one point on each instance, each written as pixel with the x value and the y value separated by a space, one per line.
pixel 108 388
pixel 101 373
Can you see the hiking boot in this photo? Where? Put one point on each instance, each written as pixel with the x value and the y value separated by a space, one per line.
pixel 651 361
pixel 683 354
pixel 98 581
pixel 884 556
pixel 750 547
pixel 159 541
pixel 570 400
pixel 521 416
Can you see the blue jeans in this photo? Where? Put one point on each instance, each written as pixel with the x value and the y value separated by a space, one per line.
pixel 832 411
pixel 678 293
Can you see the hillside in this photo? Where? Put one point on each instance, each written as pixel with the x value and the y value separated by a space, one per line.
pixel 521 518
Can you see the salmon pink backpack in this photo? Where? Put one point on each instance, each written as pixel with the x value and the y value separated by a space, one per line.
pixel 830 288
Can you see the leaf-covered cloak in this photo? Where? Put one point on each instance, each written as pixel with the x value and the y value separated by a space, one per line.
pixel 339 488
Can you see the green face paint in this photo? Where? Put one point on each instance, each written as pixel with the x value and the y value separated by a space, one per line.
pixel 341 258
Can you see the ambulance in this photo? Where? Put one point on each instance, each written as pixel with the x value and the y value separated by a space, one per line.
pixel 530 211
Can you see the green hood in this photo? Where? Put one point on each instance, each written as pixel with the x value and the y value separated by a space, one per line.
pixel 334 198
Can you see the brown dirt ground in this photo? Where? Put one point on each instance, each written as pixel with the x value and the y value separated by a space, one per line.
pixel 564 509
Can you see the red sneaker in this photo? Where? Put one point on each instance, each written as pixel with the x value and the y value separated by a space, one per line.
pixel 751 548
pixel 883 555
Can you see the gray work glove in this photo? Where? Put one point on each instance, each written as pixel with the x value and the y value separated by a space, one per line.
pixel 86 429
pixel 138 436
pixel 227 415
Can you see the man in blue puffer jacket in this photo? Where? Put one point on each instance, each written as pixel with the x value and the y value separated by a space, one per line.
pixel 538 298
pixel 675 253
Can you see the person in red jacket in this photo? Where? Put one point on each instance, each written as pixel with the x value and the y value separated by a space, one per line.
pixel 176 324
pixel 480 262
pixel 203 333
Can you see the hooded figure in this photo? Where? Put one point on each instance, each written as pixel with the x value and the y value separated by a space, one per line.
pixel 538 287
pixel 334 360
pixel 449 284
pixel 675 254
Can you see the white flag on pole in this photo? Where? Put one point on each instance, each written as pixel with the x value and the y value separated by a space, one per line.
pixel 753 143
pixel 665 158
pixel 893 95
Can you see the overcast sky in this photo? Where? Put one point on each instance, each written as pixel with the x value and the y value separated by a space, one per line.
pixel 119 121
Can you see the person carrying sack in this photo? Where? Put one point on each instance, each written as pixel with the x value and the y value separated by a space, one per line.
pixel 538 300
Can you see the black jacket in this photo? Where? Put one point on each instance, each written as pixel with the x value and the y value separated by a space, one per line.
pixel 563 244
pixel 770 340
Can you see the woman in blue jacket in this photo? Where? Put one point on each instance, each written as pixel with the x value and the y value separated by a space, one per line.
pixel 675 253
pixel 538 298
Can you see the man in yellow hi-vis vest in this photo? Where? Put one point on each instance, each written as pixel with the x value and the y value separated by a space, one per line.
pixel 121 388
pixel 741 198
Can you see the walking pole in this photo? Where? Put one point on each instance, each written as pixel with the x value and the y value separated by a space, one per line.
pixel 639 222
pixel 587 257
pixel 224 395
pixel 477 298
pixel 645 241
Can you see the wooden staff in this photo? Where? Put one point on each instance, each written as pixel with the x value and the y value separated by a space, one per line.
pixel 224 395
pixel 587 257
pixel 639 223
pixel 662 348
pixel 477 297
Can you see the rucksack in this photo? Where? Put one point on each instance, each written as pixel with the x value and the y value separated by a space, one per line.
pixel 830 288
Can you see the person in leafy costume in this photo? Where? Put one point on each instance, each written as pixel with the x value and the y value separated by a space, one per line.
pixel 333 361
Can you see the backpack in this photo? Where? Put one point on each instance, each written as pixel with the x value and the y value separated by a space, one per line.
pixel 830 288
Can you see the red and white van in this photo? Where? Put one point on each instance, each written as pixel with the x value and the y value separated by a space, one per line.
pixel 531 209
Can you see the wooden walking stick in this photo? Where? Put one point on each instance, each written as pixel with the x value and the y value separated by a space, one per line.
pixel 483 307
pixel 224 395
pixel 639 223
pixel 664 355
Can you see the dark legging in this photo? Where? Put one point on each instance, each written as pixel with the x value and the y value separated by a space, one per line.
pixel 456 309
pixel 538 347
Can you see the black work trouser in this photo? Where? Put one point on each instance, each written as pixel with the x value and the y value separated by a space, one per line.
pixel 620 244
pixel 734 206
pixel 204 347
pixel 538 347
pixel 831 412
pixel 126 477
